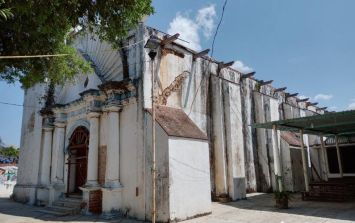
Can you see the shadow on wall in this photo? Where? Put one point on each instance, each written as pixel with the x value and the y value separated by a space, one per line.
pixel 11 211
pixel 266 203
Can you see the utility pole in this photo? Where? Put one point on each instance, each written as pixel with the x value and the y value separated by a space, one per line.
pixel 153 44
pixel 154 170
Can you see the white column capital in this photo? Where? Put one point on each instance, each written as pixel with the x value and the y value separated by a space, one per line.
pixel 92 114
pixel 47 128
pixel 59 124
pixel 112 108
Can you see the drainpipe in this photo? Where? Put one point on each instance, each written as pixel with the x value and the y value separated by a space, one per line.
pixel 154 170
pixel 338 155
pixel 277 162
pixel 304 162
pixel 324 159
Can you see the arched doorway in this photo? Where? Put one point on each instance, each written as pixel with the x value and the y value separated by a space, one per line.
pixel 77 160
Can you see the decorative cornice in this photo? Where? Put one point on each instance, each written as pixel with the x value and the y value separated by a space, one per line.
pixel 90 92
pixel 111 94
pixel 118 86
pixel 92 114
pixel 59 124
pixel 112 108
pixel 46 111
pixel 48 128
pixel 47 123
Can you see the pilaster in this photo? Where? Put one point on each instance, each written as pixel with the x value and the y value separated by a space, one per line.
pixel 112 176
pixel 92 174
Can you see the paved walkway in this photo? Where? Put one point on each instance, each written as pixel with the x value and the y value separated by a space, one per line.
pixel 257 208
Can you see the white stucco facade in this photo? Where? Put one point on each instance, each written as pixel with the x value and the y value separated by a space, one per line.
pixel 95 140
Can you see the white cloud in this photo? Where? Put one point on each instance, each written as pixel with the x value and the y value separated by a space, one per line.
pixel 241 67
pixel 351 106
pixel 205 19
pixel 324 97
pixel 189 29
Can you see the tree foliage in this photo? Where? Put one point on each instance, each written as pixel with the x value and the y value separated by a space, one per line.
pixel 4 12
pixel 10 151
pixel 41 27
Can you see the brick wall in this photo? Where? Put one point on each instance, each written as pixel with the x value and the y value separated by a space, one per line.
pixel 102 164
pixel 95 201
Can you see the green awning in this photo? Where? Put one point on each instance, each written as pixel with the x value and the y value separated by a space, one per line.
pixel 335 123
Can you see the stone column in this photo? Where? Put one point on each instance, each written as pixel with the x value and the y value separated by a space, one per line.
pixel 277 159
pixel 60 155
pixel 233 127
pixel 218 136
pixel 93 161
pixel 58 147
pixel 112 175
pixel 46 155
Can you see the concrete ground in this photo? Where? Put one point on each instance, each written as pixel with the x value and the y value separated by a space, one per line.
pixel 260 208
pixel 257 208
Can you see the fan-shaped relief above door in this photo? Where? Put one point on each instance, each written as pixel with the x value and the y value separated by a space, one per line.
pixel 106 61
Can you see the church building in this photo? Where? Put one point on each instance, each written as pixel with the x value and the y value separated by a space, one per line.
pixel 93 144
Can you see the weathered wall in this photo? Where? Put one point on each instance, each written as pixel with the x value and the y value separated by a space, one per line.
pixel 30 153
pixel 234 140
pixel 189 180
pixel 162 166
pixel 264 150
pixel 249 134
pixel 219 152
pixel 131 162
pixel 219 101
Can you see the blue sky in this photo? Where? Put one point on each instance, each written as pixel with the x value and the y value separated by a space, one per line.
pixel 307 46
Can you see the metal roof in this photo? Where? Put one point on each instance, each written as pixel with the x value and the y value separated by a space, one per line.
pixel 336 123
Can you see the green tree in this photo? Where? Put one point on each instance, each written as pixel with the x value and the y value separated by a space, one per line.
pixel 10 151
pixel 42 27
pixel 4 12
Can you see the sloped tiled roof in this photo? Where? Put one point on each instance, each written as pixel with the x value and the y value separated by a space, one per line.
pixel 291 138
pixel 176 123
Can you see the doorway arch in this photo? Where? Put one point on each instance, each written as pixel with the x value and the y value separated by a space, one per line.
pixel 77 160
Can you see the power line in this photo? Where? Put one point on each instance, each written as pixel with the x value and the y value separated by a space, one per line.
pixel 35 56
pixel 67 54
pixel 18 105
pixel 219 24
pixel 209 61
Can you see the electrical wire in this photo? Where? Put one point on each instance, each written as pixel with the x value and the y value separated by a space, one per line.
pixel 209 61
pixel 35 56
pixel 18 105
pixel 219 24
pixel 68 54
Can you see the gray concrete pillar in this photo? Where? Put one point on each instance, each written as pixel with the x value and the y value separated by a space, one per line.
pixel 277 159
pixel 218 136
pixel 93 156
pixel 112 178
pixel 45 176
